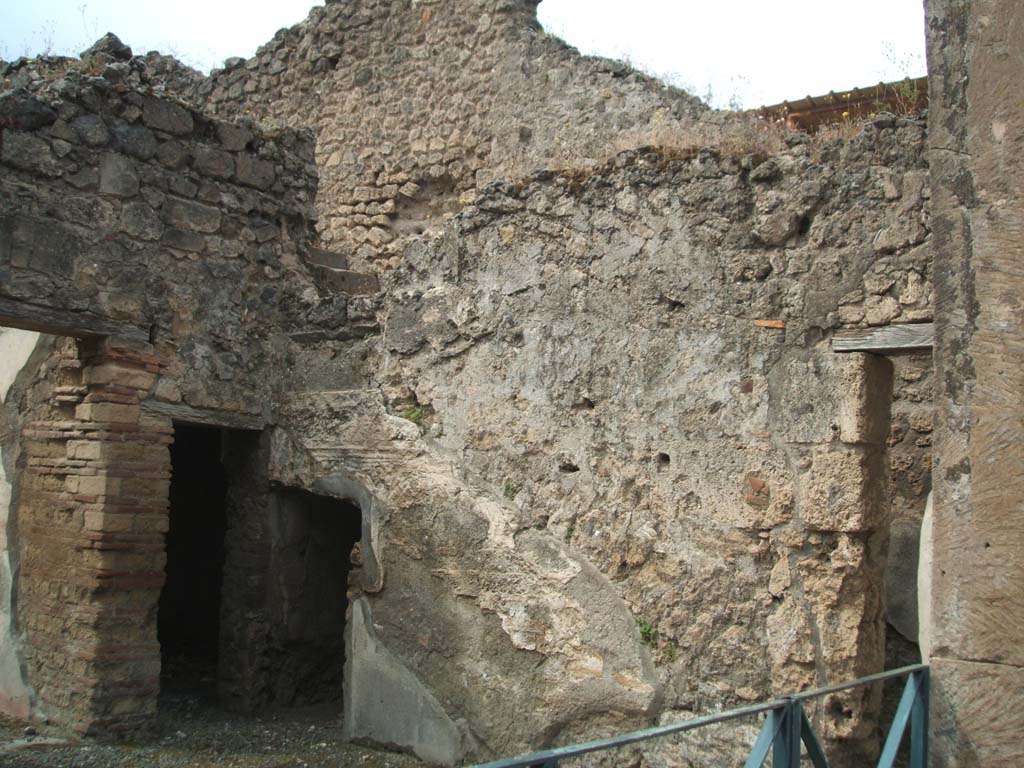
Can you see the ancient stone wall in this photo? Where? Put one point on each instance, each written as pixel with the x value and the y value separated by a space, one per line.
pixel 976 614
pixel 451 95
pixel 414 103
pixel 125 211
pixel 601 425
pixel 176 246
pixel 638 359
pixel 126 214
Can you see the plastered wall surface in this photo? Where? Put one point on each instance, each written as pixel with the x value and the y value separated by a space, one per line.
pixel 16 347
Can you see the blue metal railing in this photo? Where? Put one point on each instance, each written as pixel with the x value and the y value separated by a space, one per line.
pixel 785 727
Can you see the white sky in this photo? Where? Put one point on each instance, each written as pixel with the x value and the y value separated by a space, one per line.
pixel 743 52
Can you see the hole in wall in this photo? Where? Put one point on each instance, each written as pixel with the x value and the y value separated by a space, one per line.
pixel 568 467
pixel 663 460
pixel 188 618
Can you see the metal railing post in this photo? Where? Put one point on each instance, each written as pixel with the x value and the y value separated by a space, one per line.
pixel 786 753
pixel 919 721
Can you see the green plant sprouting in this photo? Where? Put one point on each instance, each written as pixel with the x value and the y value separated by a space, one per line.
pixel 417 414
pixel 648 634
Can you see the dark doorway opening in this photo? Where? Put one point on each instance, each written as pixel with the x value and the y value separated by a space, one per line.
pixel 313 554
pixel 188 621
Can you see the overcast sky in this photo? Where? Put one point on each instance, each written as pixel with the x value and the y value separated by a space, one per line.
pixel 742 52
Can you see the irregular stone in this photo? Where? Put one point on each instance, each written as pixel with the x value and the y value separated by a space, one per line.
pixel 776 228
pixel 141 221
pixel 188 215
pixel 166 116
pixel 109 45
pixel 842 489
pixel 24 112
pixel 134 140
pixel 766 172
pixel 233 138
pixel 348 282
pixel 118 176
pixel 253 172
pixel 214 162
pixel 91 129
pixel 173 154
pixel 183 240
pixel 29 152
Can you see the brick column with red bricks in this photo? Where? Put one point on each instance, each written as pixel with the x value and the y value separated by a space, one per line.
pixel 92 517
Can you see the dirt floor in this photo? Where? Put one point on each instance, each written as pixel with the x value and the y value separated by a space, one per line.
pixel 192 732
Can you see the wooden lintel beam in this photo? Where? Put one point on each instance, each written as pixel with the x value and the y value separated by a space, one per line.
pixel 885 339
pixel 204 417
pixel 63 322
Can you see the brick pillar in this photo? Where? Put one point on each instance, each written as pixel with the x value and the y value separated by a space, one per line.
pixel 92 518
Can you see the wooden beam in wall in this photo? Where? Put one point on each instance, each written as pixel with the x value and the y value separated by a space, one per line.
pixel 203 417
pixel 61 322
pixel 885 339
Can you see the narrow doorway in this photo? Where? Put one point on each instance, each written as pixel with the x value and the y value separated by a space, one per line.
pixel 188 619
pixel 316 537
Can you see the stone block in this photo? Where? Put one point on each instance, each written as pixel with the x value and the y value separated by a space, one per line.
pixel 901 578
pixel 98 520
pixel 144 487
pixel 164 115
pixel 110 412
pixel 91 130
pixel 87 450
pixel 865 386
pixel 376 681
pixel 141 221
pixel 118 176
pixel 842 489
pixel 975 718
pixel 92 485
pixel 135 140
pixel 191 216
pixel 152 523
pixel 233 137
pixel 253 172
pixel 121 375
pixel 214 162
pixel 29 153
pixel 183 240
pixel 154 456
pixel 977 582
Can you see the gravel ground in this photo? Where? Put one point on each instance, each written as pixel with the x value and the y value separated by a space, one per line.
pixel 193 733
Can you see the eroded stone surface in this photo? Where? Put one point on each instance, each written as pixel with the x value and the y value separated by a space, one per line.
pixel 977 582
